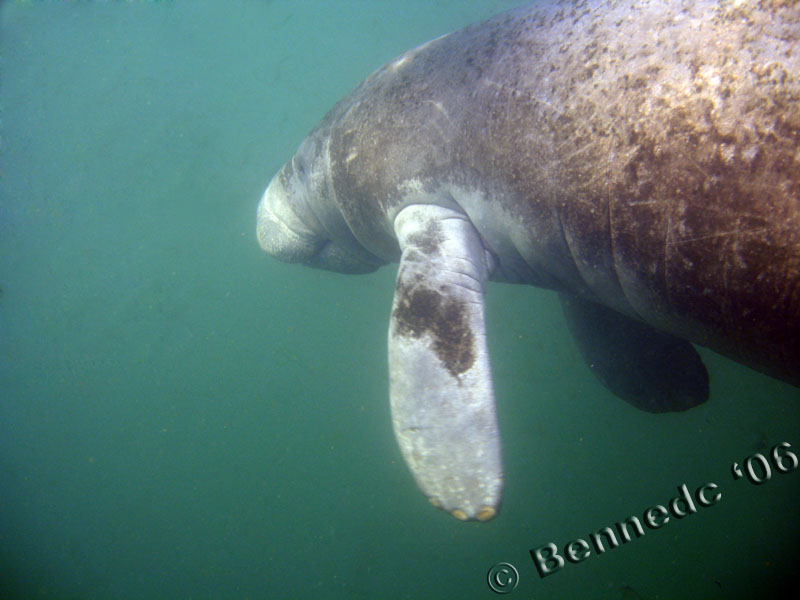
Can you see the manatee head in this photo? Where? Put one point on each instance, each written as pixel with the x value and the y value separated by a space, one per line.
pixel 299 220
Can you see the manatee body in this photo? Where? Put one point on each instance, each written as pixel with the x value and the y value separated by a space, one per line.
pixel 640 158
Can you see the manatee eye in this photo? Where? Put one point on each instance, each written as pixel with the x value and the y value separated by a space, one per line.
pixel 299 166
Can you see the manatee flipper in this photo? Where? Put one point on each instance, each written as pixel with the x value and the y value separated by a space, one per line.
pixel 442 401
pixel 654 371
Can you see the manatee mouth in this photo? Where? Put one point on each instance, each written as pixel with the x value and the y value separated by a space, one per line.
pixel 281 233
pixel 288 230
pixel 278 239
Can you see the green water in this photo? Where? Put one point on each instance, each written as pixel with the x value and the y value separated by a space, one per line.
pixel 183 417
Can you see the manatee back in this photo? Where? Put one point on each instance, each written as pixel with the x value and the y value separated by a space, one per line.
pixel 650 151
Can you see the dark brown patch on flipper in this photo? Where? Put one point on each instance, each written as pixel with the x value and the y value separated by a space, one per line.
pixel 420 310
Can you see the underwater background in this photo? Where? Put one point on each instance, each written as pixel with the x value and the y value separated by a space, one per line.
pixel 183 417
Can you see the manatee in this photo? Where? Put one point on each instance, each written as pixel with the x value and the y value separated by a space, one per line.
pixel 641 159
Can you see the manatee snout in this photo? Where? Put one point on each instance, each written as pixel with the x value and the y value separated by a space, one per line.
pixel 288 230
pixel 281 233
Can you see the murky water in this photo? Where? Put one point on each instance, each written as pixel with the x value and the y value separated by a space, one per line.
pixel 183 417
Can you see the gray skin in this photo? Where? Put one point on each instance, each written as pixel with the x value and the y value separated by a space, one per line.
pixel 640 158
